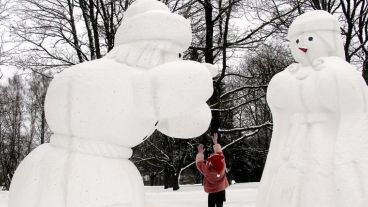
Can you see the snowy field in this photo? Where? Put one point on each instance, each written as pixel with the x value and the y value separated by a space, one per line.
pixel 237 195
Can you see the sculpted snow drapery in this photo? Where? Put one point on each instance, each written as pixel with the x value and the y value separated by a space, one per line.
pixel 319 150
pixel 98 110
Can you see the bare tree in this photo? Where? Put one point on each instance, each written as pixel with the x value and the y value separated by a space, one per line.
pixel 328 5
pixel 36 94
pixel 11 128
pixel 4 16
pixel 166 156
pixel 355 13
pixel 51 38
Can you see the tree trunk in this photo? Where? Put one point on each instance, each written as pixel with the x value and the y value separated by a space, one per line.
pixel 43 119
pixel 365 70
pixel 87 21
pixel 94 23
pixel 108 23
pixel 208 53
pixel 74 31
pixel 167 178
pixel 176 182
pixel 152 177
pixel 209 58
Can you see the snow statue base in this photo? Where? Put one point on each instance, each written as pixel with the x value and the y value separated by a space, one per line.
pixel 98 110
pixel 318 155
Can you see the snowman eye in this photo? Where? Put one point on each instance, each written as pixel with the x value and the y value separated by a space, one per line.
pixel 297 41
pixel 179 55
pixel 310 38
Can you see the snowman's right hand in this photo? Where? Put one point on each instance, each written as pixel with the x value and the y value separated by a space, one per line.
pixel 187 124
pixel 318 64
pixel 181 86
pixel 213 69
pixel 332 62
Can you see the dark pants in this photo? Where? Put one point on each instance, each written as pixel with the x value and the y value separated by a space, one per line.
pixel 216 199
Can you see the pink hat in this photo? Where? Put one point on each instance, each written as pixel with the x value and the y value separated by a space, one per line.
pixel 217 162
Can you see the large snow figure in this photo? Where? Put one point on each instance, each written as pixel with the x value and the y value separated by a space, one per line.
pixel 98 110
pixel 319 150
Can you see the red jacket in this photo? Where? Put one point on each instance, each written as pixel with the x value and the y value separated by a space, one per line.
pixel 213 181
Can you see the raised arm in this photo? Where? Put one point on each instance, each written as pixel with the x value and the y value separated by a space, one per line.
pixel 216 146
pixel 200 162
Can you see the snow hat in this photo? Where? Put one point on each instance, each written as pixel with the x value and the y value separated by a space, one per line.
pixel 313 21
pixel 217 162
pixel 152 20
pixel 324 25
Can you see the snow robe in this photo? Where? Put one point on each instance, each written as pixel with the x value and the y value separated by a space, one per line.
pixel 97 111
pixel 318 155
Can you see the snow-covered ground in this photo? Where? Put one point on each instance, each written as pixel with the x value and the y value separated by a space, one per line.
pixel 237 195
pixel 3 198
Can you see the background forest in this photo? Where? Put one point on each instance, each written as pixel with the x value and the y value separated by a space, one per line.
pixel 244 38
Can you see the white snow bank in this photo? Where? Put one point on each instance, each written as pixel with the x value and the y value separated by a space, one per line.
pixel 237 195
pixel 3 199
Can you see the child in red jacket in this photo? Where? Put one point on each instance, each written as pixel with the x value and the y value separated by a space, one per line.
pixel 213 169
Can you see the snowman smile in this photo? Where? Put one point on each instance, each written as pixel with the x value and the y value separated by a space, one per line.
pixel 303 49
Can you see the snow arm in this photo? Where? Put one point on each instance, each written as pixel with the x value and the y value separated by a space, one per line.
pixel 280 134
pixel 187 125
pixel 181 86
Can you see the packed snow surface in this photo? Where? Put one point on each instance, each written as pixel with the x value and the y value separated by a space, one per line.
pixel 237 195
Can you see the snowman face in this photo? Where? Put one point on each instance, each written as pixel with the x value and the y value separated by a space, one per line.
pixel 170 51
pixel 306 47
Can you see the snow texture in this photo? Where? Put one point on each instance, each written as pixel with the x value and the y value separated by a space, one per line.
pixel 237 195
pixel 319 150
pixel 98 110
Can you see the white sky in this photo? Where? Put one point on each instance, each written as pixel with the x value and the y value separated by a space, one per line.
pixel 7 72
pixel 5 42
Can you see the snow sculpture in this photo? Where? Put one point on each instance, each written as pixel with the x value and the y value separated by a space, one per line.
pixel 98 110
pixel 319 150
